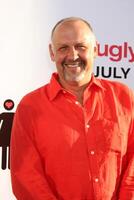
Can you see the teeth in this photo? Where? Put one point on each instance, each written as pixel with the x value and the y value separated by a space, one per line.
pixel 72 65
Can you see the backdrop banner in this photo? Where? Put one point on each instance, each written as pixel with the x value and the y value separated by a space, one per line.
pixel 25 28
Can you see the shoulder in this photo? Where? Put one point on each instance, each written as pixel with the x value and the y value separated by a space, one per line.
pixel 34 97
pixel 116 87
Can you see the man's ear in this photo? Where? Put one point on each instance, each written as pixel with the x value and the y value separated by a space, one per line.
pixel 96 50
pixel 51 52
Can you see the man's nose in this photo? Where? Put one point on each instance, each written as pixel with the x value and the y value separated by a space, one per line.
pixel 73 54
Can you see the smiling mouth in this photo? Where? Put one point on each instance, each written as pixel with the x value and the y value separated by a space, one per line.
pixel 73 65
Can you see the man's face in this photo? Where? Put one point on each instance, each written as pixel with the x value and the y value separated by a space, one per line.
pixel 73 50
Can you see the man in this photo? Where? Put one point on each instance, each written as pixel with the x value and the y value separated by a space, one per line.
pixel 73 139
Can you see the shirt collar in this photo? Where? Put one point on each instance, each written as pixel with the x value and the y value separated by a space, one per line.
pixel 55 88
pixel 96 81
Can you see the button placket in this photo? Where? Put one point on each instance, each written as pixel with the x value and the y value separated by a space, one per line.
pixel 93 158
pixel 96 180
pixel 92 152
pixel 94 171
pixel 87 126
pixel 76 102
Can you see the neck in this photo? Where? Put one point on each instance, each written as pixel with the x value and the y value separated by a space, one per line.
pixel 76 89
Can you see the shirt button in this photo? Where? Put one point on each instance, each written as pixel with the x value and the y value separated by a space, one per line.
pixel 87 125
pixel 96 180
pixel 92 152
pixel 76 102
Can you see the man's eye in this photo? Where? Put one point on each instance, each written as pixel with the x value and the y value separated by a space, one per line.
pixel 81 47
pixel 62 48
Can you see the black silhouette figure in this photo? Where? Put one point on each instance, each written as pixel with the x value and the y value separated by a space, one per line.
pixel 6 119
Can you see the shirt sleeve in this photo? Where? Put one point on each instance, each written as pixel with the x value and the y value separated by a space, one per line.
pixel 27 174
pixel 127 184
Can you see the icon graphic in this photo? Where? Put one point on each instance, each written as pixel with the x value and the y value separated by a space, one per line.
pixel 6 120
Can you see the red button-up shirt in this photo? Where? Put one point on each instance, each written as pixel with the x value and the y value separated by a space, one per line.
pixel 61 150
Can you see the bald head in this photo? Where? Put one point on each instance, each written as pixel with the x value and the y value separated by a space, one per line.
pixel 67 21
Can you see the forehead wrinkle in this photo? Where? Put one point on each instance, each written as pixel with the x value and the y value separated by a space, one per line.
pixel 74 43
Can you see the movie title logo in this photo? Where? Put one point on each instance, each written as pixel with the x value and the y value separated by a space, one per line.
pixel 115 53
